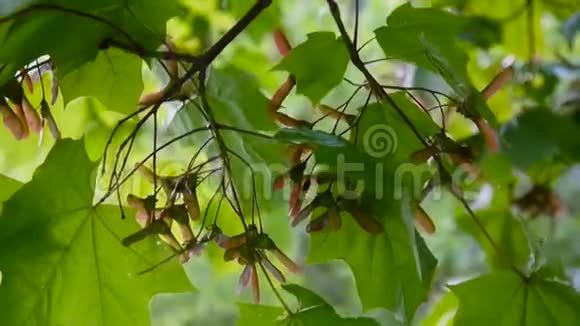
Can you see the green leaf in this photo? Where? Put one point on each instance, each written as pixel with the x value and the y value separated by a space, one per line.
pixel 114 78
pixel 482 31
pixel 498 169
pixel 8 187
pixel 56 248
pixel 406 26
pixel 313 310
pixel 258 315
pixel 72 39
pixel 379 160
pixel 506 231
pixel 547 131
pixel 442 311
pixel 318 65
pixel 384 133
pixel 504 298
pixel 390 254
pixel 264 24
pixel 570 28
pixel 238 100
pixel 514 20
pixel 428 38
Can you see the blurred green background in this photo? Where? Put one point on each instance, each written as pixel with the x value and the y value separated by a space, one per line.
pixel 459 254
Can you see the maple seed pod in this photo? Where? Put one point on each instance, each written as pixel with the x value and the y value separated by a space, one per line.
pixel 319 223
pixel 136 202
pixel 276 102
pixel 334 217
pixel 272 269
pixel 423 154
pixel 27 81
pixel 336 114
pixel 53 89
pixel 147 173
pixel 497 82
pixel 235 241
pixel 190 200
pixel 244 278
pixel 285 260
pixel 366 222
pixel 279 182
pixel 11 121
pixel 194 249
pixel 232 253
pixel 47 116
pixel 159 227
pixel 31 115
pixel 295 203
pixel 221 240
pixel 150 99
pixel 255 285
pixel 179 214
pixel 303 214
pixel 489 135
pixel 423 219
pixel 282 43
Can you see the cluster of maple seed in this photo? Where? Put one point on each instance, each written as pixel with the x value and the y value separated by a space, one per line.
pixel 331 217
pixel 18 114
pixel 250 248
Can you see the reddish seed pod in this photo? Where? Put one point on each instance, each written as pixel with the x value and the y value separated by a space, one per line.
pixel 335 220
pixel 489 135
pixel 232 253
pixel 31 116
pixel 279 182
pixel 221 240
pixel 285 260
pixel 235 241
pixel 272 269
pixel 366 222
pixel 255 285
pixel 423 219
pixel 319 223
pixel 190 200
pixel 11 121
pixel 151 99
pixel 424 154
pixel 336 114
pixel 295 203
pixel 282 43
pixel 245 278
pixel 497 82
pixel 276 102
pixel 27 81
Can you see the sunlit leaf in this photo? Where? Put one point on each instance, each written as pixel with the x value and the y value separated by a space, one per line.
pixel 114 78
pixel 505 298
pixel 313 310
pixel 72 39
pixel 60 244
pixel 259 315
pixel 8 187
pixel 318 65
pixel 507 233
